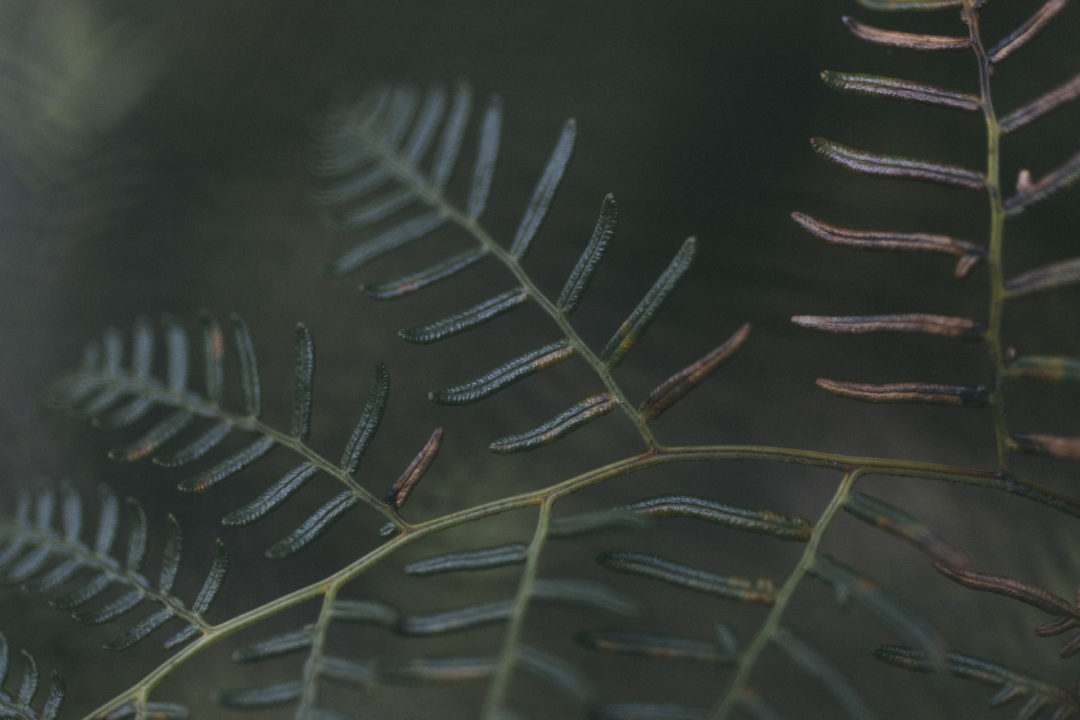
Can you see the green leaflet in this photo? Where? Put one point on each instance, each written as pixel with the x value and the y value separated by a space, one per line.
pixel 486 153
pixel 315 525
pixel 197 447
pixel 154 438
pixel 406 284
pixel 453 131
pixel 561 425
pixel 503 376
pixel 273 647
pixel 228 467
pixel 273 497
pixel 303 384
pixel 177 355
pixel 481 559
pixel 642 316
pixel 364 432
pixel 378 209
pixel 249 366
pixel 213 358
pixel 761 591
pixel 45 560
pixel 766 522
pixel 544 193
pixel 392 239
pixel 586 266
pixel 661 647
pixel 465 320
pixel 897 89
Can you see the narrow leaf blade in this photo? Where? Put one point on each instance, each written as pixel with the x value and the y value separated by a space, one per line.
pixel 559 426
pixel 549 181
pixel 503 376
pixel 486 154
pixel 466 319
pixel 586 266
pixel 642 316
pixel 303 384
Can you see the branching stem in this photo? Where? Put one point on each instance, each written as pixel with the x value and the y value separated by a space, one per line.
pixel 748 658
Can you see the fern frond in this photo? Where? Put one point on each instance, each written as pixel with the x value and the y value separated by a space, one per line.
pixel 45 559
pixel 21 703
pixel 367 141
pixel 103 388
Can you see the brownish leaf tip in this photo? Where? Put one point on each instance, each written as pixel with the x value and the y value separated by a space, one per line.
pixel 399 491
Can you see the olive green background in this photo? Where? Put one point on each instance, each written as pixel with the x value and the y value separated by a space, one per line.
pixel 158 159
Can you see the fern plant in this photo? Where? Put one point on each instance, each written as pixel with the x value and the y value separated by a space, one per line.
pixel 544 631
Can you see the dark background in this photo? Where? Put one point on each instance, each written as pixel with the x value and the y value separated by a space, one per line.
pixel 157 159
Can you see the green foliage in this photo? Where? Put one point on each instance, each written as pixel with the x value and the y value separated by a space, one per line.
pixel 504 607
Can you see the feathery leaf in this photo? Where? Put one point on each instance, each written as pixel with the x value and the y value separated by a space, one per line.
pixel 538 206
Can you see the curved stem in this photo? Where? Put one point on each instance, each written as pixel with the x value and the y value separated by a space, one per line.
pixel 747 659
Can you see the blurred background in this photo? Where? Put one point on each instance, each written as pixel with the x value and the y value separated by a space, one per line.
pixel 157 158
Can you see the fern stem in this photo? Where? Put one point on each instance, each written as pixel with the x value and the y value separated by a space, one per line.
pixel 434 197
pixel 309 684
pixel 997 237
pixel 748 658
pixel 548 496
pixel 500 683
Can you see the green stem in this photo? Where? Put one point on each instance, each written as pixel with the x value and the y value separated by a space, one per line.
pixel 748 658
pixel 547 496
pixel 309 685
pixel 997 238
pixel 500 683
